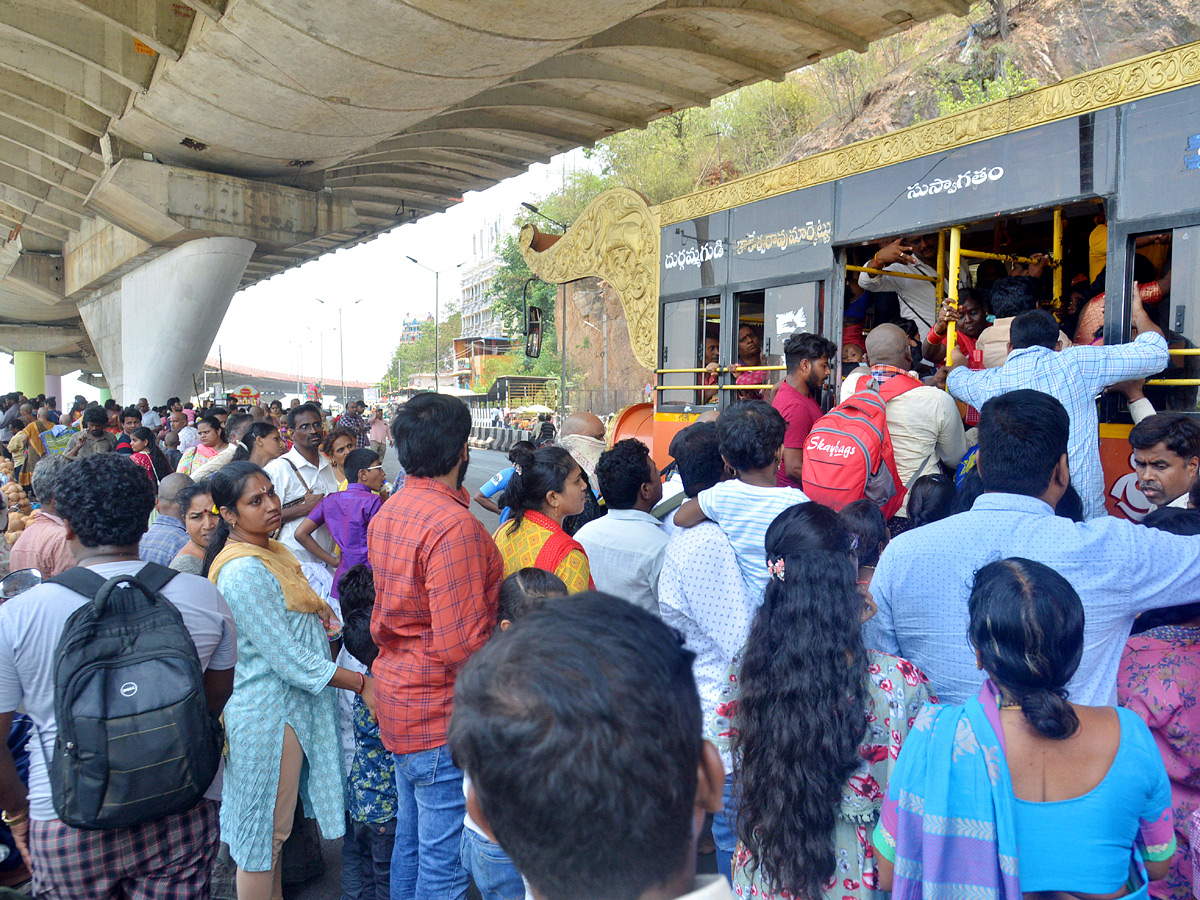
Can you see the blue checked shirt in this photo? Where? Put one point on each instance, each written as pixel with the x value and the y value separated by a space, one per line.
pixel 163 541
pixel 1120 570
pixel 1074 377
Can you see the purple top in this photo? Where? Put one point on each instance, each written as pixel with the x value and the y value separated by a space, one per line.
pixel 346 515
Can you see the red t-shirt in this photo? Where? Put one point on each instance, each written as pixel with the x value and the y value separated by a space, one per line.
pixel 800 412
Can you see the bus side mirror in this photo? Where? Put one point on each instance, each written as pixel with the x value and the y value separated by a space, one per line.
pixel 533 332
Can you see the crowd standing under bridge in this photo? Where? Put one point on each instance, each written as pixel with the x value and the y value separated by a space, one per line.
pixel 915 675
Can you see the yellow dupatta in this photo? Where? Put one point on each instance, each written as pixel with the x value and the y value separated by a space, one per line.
pixel 298 594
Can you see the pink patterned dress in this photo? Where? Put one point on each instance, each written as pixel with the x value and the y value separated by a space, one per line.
pixel 1159 680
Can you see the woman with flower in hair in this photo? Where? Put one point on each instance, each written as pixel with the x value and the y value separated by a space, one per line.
pixel 818 723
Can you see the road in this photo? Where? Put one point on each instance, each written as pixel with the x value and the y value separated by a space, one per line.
pixel 484 464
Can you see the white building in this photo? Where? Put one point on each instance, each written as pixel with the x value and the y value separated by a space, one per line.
pixel 477 318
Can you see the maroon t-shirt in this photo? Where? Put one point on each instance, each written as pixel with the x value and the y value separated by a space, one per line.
pixel 799 411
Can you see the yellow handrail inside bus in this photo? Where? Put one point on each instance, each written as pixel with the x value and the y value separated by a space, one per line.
pixel 685 387
pixel 679 371
pixel 759 369
pixel 956 252
pixel 746 387
pixel 1004 257
pixel 1189 352
pixel 1175 382
pixel 1057 250
pixel 914 275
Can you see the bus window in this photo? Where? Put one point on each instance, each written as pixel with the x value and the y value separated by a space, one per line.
pixel 787 309
pixel 690 341
pixel 748 366
pixel 1167 271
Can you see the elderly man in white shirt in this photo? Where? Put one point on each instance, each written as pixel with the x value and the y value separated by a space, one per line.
pixel 625 547
pixel 302 477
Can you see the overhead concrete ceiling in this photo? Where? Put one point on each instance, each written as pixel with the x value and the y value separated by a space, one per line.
pixel 397 106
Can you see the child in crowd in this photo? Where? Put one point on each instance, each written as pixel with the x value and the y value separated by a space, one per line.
pixel 489 867
pixel 172 451
pixel 750 435
pixel 346 514
pixel 931 499
pixel 580 729
pixel 371 821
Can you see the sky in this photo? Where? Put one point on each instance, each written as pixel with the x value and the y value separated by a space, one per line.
pixel 279 322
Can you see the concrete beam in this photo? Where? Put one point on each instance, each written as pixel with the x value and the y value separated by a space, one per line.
pixel 39 276
pixel 778 10
pixel 25 90
pixel 157 25
pixel 40 338
pixel 99 253
pixel 170 205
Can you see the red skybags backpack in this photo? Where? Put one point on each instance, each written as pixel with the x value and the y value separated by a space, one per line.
pixel 848 454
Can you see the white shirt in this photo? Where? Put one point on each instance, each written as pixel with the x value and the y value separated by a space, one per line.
pixel 924 422
pixel 151 419
pixel 189 437
pixel 31 626
pixel 702 594
pixel 625 552
pixel 292 486
pixel 744 512
pixel 671 488
pixel 918 299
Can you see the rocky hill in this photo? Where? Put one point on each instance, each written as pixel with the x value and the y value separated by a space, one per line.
pixel 1049 40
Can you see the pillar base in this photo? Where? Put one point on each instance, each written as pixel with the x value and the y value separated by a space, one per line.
pixel 30 373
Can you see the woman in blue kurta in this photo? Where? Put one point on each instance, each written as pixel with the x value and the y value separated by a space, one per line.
pixel 281 722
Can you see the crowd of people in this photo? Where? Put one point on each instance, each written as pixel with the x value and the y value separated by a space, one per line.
pixel 934 690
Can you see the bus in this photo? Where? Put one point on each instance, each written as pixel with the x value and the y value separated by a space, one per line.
pixel 1099 173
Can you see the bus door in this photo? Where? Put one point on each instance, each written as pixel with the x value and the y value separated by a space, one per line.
pixel 688 373
pixel 763 319
pixel 1163 259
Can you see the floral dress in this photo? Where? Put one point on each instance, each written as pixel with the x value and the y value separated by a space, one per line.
pixel 896 692
pixel 1159 679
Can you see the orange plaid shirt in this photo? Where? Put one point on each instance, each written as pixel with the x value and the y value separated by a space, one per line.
pixel 437 577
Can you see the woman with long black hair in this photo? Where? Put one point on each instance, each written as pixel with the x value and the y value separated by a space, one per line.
pixel 148 455
pixel 260 444
pixel 819 722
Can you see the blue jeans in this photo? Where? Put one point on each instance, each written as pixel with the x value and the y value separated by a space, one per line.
pixel 429 819
pixel 490 868
pixel 367 860
pixel 724 831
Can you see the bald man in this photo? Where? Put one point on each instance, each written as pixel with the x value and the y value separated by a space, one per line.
pixel 582 436
pixel 166 536
pixel 923 421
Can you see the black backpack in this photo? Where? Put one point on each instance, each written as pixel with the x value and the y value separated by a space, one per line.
pixel 136 740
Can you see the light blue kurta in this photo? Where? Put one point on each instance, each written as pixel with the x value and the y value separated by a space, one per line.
pixel 281 678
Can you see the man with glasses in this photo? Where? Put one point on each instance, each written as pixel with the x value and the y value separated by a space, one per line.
pixel 302 477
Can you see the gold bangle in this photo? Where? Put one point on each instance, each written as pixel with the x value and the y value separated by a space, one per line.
pixel 22 816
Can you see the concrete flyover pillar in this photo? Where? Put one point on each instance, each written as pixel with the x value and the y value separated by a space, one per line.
pixel 30 373
pixel 152 328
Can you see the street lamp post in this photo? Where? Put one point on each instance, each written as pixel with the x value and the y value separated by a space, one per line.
pixel 341 353
pixel 436 320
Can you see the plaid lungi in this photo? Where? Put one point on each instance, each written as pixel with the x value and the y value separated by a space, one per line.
pixel 166 859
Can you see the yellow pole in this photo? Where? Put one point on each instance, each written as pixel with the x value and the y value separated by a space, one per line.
pixel 1058 258
pixel 955 260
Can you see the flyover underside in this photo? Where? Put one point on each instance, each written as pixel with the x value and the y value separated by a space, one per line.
pixel 132 127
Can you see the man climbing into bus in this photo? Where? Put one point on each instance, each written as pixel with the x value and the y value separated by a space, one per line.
pixel 915 255
pixel 923 421
pixel 1075 379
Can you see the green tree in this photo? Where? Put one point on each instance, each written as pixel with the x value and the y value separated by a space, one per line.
pixel 410 359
